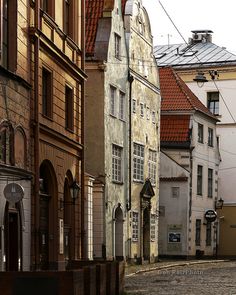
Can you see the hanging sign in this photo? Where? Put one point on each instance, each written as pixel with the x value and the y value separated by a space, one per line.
pixel 13 192
pixel 210 215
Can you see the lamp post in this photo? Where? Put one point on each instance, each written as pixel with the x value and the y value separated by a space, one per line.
pixel 74 190
pixel 218 205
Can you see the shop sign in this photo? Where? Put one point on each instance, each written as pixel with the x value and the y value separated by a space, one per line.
pixel 13 192
pixel 210 215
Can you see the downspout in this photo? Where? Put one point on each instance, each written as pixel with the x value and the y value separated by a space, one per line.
pixel 130 79
pixel 36 136
pixel 83 256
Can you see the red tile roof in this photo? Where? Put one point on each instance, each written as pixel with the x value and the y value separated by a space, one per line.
pixel 176 96
pixel 175 128
pixel 93 12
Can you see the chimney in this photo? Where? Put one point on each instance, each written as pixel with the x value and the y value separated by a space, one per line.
pixel 201 36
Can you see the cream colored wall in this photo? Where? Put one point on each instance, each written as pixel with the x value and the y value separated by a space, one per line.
pixel 144 90
pixel 115 130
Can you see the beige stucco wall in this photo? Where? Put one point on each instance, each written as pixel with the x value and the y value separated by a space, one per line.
pixel 144 90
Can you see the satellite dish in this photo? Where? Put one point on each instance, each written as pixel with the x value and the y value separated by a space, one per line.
pixel 13 192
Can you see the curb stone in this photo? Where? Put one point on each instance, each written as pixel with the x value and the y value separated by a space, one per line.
pixel 175 265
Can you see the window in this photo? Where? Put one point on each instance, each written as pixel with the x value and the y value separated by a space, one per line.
pixel 213 102
pixel 117 46
pixel 69 108
pixel 9 35
pixel 47 6
pixel 116 163
pixel 210 183
pixel 153 117
pixel 208 234
pixel 138 162
pixel 134 105
pixel 141 109
pixel 68 18
pixel 6 143
pixel 20 148
pixel 175 192
pixel 198 232
pixel 199 180
pixel 210 137
pixel 152 164
pixel 121 106
pixel 113 101
pixel 153 228
pixel 148 113
pixel 200 133
pixel 135 227
pixel 46 93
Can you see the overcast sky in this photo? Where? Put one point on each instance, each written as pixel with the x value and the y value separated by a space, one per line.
pixel 216 15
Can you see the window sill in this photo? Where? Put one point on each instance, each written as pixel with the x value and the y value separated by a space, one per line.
pixel 69 130
pixel 117 182
pixel 113 116
pixel 138 181
pixel 47 117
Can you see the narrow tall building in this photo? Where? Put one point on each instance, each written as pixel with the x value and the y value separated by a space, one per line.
pixel 56 31
pixel 144 152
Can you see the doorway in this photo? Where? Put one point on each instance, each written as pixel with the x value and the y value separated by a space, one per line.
pixel 13 238
pixel 146 234
pixel 119 255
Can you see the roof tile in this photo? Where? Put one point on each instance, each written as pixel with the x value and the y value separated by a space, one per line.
pixel 175 128
pixel 176 96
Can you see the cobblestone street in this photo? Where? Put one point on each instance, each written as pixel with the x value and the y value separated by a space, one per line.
pixel 210 278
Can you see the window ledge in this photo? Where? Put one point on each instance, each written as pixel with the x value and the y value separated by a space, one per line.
pixel 118 182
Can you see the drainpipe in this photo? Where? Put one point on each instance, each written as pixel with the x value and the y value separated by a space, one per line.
pixel 130 79
pixel 36 135
pixel 82 129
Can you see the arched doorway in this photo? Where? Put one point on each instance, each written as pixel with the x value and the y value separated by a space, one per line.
pixel 119 255
pixel 68 218
pixel 146 234
pixel 13 236
pixel 47 217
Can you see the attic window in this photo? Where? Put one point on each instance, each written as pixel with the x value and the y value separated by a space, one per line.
pixel 160 55
pixel 190 53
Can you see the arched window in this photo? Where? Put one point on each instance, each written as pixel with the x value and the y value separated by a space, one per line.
pixel 6 143
pixel 20 148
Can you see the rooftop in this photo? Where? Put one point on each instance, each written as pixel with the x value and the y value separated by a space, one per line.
pixel 199 51
pixel 176 95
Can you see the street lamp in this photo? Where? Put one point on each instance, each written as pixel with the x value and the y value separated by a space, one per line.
pixel 74 190
pixel 219 203
pixel 201 79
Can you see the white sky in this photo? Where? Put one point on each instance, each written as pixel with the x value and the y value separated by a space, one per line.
pixel 216 15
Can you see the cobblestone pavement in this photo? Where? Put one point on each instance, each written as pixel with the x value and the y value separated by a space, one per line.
pixel 208 278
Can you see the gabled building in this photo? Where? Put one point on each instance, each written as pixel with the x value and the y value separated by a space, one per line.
pixel 219 68
pixel 188 137
pixel 144 100
pixel 107 124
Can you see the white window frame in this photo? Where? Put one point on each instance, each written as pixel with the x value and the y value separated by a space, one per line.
pixel 152 166
pixel 113 101
pixel 122 106
pixel 138 162
pixel 117 164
